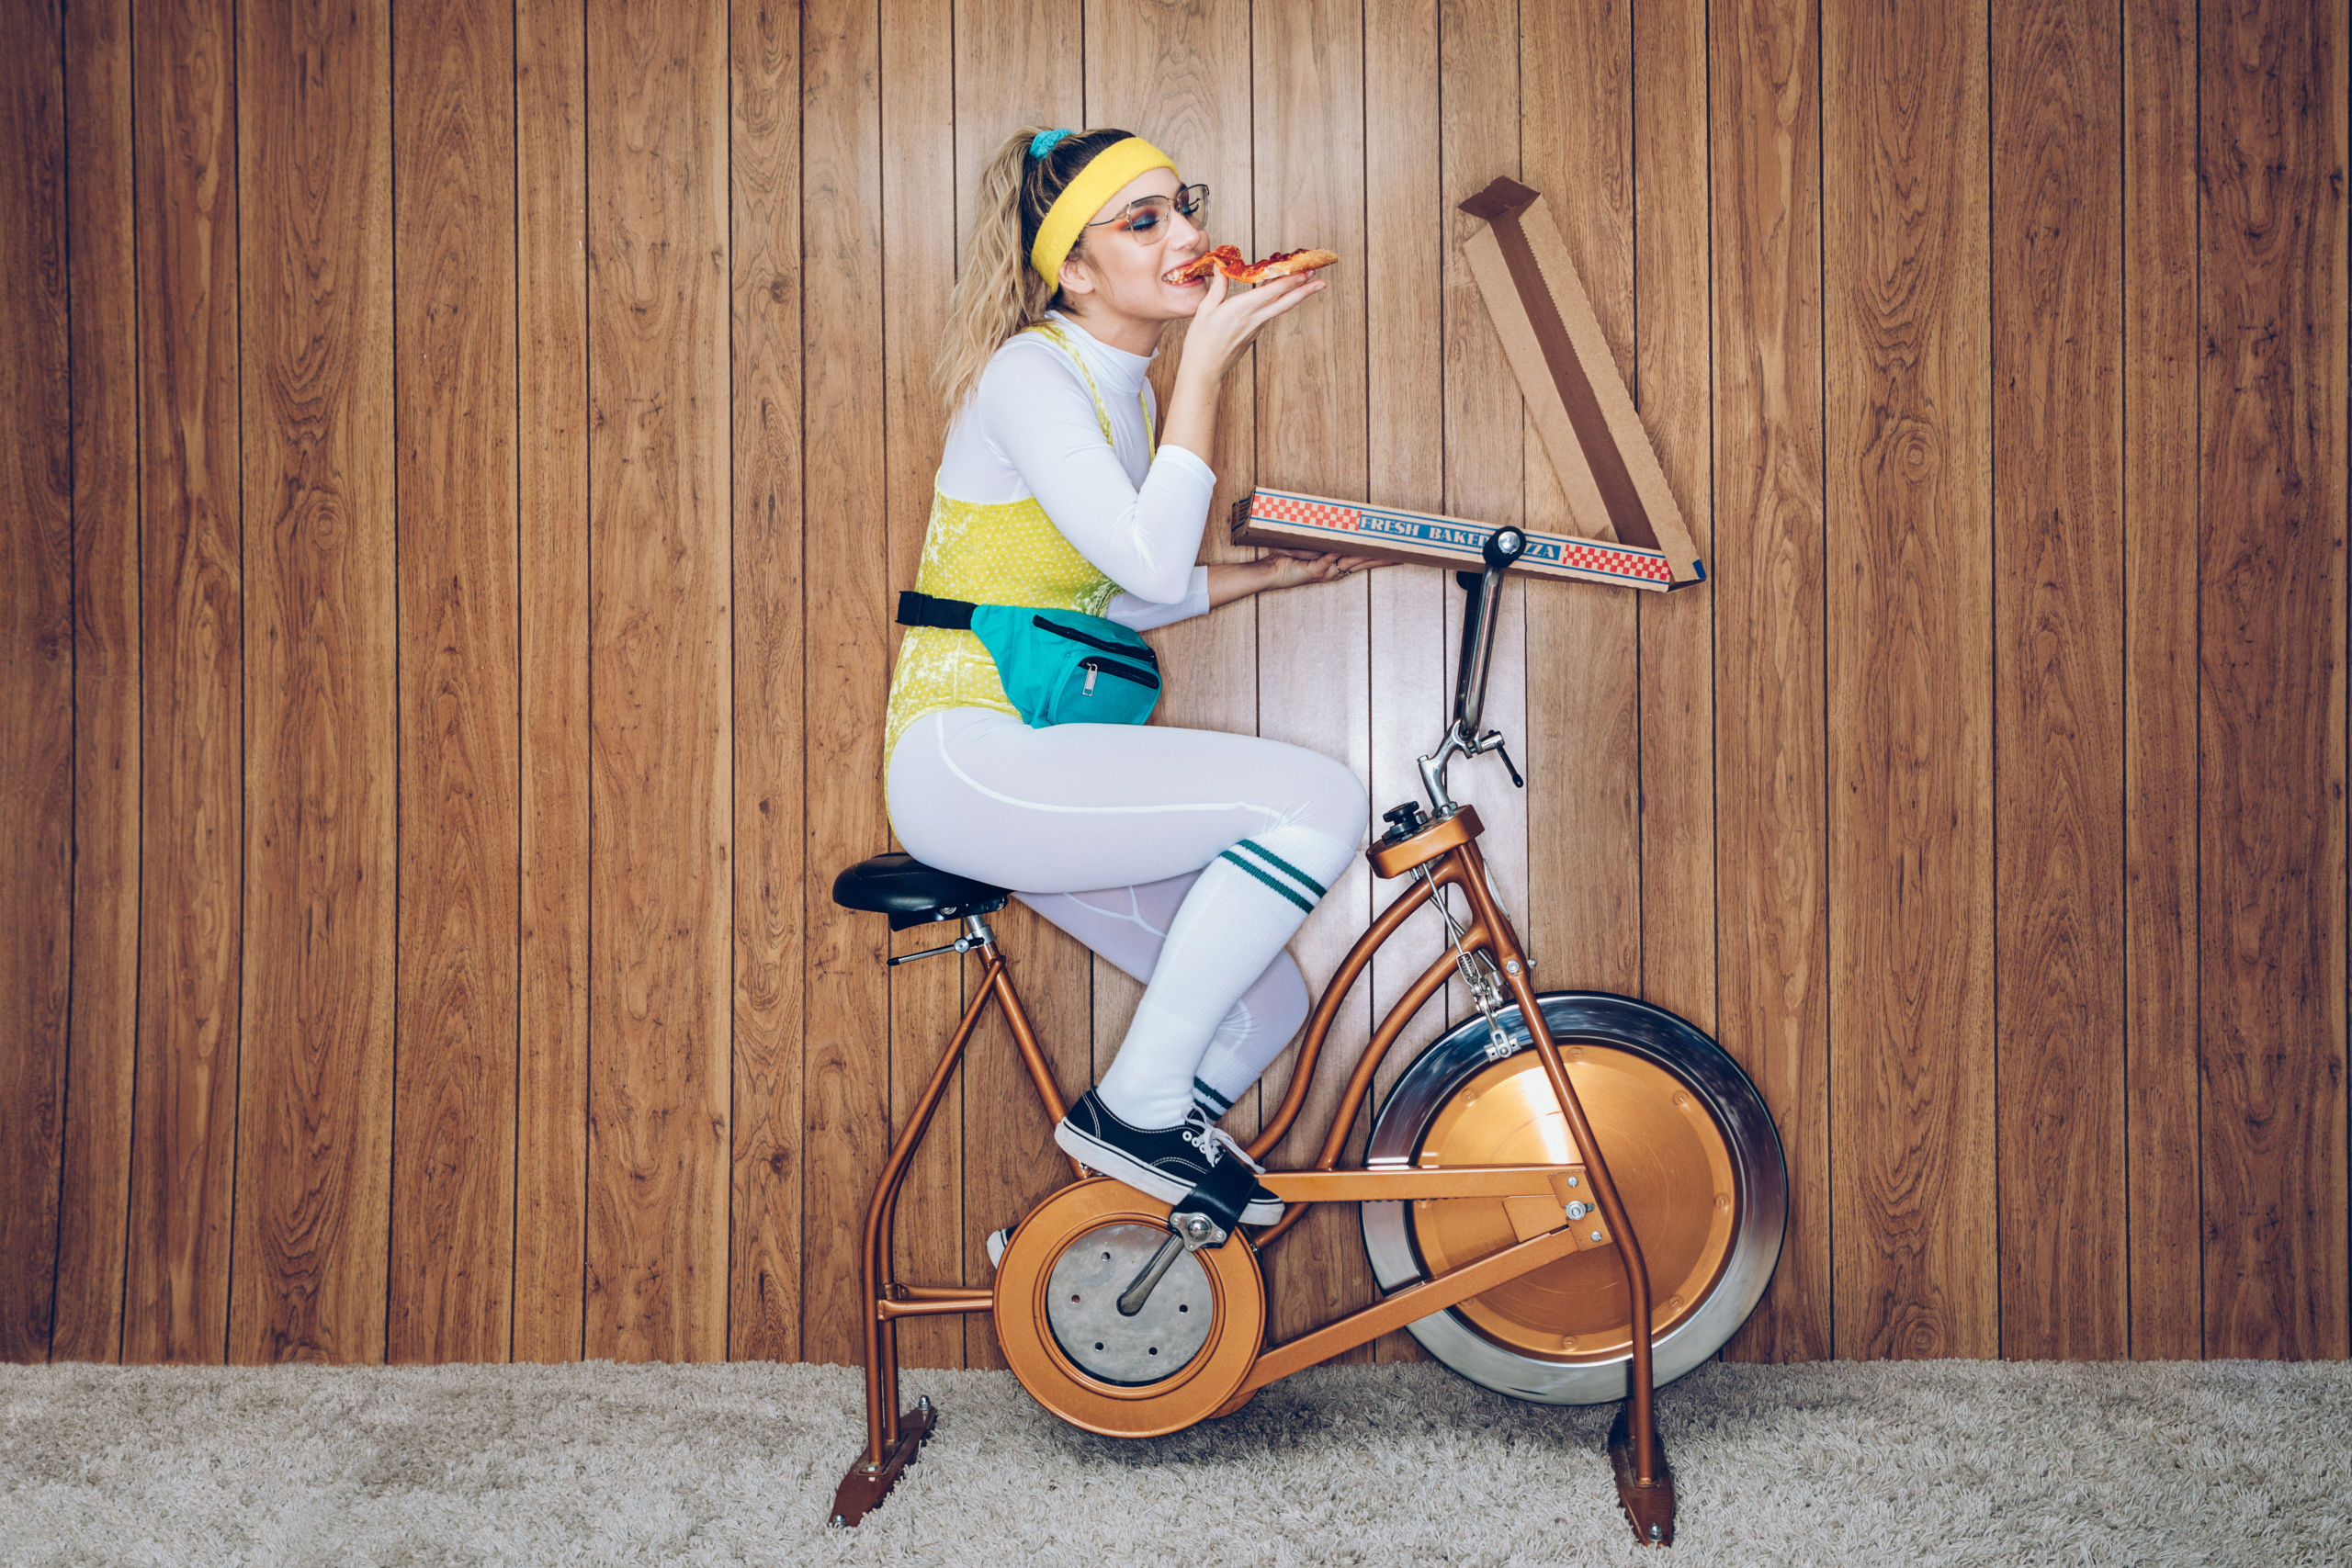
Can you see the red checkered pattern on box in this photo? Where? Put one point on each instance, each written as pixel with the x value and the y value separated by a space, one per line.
pixel 1306 513
pixel 1617 563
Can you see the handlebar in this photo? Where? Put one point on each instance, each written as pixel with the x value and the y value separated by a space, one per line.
pixel 1503 548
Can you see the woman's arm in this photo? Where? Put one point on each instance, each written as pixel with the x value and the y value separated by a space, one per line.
pixel 1279 569
pixel 1221 332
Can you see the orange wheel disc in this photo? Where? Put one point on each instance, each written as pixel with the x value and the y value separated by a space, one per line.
pixel 1172 1364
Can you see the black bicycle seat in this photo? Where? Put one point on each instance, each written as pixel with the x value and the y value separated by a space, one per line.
pixel 911 893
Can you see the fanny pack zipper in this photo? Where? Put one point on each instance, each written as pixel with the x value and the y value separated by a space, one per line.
pixel 1121 648
pixel 1094 667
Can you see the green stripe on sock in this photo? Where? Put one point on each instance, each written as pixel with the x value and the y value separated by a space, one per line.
pixel 1265 853
pixel 1279 887
pixel 1210 1098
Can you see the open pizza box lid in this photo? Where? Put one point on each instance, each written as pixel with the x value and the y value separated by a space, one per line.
pixel 1625 528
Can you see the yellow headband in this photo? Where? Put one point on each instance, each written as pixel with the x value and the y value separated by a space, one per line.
pixel 1081 199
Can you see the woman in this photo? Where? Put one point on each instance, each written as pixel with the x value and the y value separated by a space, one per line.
pixel 1185 857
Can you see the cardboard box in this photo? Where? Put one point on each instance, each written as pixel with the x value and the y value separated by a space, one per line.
pixel 1284 520
pixel 1616 490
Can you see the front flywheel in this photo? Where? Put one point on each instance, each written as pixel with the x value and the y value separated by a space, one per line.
pixel 1172 1364
pixel 1695 1158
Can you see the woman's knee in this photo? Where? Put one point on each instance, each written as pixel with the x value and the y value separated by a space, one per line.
pixel 1333 800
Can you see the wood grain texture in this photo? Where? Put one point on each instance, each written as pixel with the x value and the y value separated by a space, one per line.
pixel 660 698
pixel 2159 482
pixel 845 653
pixel 1583 728
pixel 36 673
pixel 918 275
pixel 2058 673
pixel 1017 63
pixel 1407 238
pixel 551 404
pixel 1910 610
pixel 1673 378
pixel 314 1102
pixel 2271 602
pixel 1767 575
pixel 451 1282
pixel 772 885
pixel 191 931
pixel 1313 643
pixel 93 1188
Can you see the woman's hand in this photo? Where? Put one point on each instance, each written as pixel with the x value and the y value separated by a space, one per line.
pixel 1222 329
pixel 1279 569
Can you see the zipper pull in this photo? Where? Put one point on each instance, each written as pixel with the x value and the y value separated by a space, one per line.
pixel 1093 670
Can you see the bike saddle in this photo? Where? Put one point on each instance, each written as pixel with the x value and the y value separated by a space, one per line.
pixel 911 893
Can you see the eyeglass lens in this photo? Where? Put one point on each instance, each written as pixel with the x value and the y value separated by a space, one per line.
pixel 1144 215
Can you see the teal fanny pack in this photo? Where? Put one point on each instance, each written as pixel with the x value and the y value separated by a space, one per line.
pixel 1058 666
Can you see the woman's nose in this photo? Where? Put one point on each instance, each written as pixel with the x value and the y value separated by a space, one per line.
pixel 1183 229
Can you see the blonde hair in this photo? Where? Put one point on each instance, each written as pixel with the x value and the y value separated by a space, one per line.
pixel 998 293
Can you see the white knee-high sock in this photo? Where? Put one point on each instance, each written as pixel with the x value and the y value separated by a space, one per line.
pixel 1238 916
pixel 1250 1036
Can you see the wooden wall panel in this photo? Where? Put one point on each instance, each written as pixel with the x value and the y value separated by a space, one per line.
pixel 314 1101
pixel 1314 643
pixel 1839 251
pixel 2058 672
pixel 2159 367
pixel 1772 803
pixel 93 1188
pixel 917 275
pixel 2271 612
pixel 192 612
pixel 845 653
pixel 772 882
pixel 36 673
pixel 551 407
pixel 1672 377
pixel 453 1125
pixel 660 698
pixel 1909 664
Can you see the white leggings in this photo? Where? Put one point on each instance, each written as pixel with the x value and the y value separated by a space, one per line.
pixel 1105 830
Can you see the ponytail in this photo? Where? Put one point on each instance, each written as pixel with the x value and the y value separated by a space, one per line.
pixel 998 293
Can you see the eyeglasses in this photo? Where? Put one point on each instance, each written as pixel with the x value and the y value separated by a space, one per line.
pixel 1143 216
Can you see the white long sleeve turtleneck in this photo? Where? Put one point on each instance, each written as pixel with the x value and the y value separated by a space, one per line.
pixel 1030 430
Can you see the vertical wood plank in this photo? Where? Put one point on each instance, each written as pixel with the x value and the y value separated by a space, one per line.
pixel 1176 75
pixel 2159 485
pixel 658 1143
pixel 454 1098
pixel 1405 240
pixel 94 1188
pixel 918 275
pixel 551 404
pixel 2058 651
pixel 847 659
pixel 1677 631
pixel 191 932
pixel 1017 63
pixel 1909 666
pixel 2271 602
pixel 1315 642
pixel 1766 575
pixel 314 1103
pixel 36 673
pixel 1584 738
pixel 771 871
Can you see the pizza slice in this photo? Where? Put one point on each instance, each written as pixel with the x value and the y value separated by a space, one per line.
pixel 1227 259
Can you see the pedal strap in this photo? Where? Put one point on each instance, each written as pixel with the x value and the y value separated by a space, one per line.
pixel 1222 1195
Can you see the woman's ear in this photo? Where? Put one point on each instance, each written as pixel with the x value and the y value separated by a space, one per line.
pixel 1077 278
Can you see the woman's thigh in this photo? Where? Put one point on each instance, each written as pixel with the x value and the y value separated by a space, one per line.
pixel 1082 806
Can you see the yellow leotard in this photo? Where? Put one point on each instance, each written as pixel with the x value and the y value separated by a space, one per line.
pixel 990 553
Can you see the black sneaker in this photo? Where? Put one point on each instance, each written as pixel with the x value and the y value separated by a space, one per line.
pixel 1165 1162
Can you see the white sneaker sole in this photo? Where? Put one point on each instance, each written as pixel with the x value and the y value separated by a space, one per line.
pixel 1120 1166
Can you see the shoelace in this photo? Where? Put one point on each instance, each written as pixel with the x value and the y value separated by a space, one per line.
pixel 1213 1141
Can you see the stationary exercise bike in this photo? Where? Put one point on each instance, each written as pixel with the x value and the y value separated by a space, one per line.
pixel 1570 1198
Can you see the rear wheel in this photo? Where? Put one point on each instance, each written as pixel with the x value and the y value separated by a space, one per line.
pixel 1689 1143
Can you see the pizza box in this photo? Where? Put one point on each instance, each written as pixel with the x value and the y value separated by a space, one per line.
pixel 1283 520
pixel 1578 402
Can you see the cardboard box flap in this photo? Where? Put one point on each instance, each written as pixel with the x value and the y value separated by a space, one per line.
pixel 1615 487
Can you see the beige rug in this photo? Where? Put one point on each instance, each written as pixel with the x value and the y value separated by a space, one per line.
pixel 1913 1464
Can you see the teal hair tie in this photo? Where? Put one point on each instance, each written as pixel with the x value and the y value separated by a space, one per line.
pixel 1045 142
